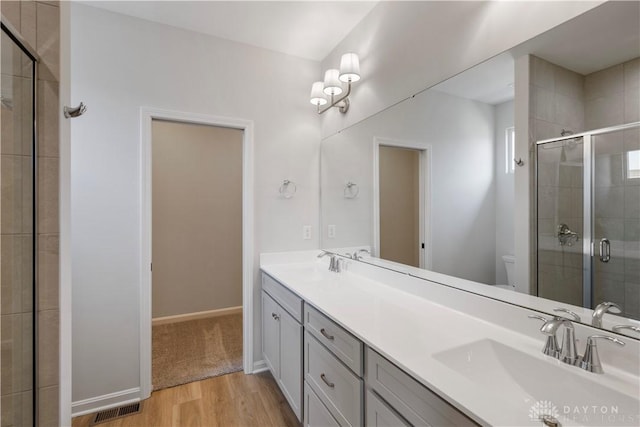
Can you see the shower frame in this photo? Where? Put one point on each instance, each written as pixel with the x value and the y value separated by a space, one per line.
pixel 588 203
pixel 30 52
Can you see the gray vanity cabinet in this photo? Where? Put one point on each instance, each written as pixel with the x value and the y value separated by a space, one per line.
pixel 340 382
pixel 282 342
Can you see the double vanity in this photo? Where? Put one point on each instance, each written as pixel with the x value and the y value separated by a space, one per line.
pixel 375 347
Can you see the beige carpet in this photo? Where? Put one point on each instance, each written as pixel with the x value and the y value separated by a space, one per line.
pixel 196 349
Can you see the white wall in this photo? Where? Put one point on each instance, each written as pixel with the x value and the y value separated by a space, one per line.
pixel 119 64
pixel 505 195
pixel 408 46
pixel 461 135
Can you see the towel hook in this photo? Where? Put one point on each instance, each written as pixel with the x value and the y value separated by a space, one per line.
pixel 519 161
pixel 351 190
pixel 71 112
pixel 288 189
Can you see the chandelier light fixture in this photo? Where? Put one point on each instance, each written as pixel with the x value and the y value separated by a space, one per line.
pixel 330 91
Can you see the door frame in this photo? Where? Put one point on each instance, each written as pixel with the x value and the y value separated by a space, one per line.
pixel 424 191
pixel 147 114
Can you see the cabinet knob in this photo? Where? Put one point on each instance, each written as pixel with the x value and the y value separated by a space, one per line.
pixel 275 316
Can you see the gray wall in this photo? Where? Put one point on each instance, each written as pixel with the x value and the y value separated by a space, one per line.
pixel 197 218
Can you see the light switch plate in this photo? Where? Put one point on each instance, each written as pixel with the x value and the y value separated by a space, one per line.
pixel 306 232
pixel 331 231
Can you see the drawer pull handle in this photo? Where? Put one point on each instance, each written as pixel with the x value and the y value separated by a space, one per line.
pixel 275 316
pixel 326 335
pixel 324 378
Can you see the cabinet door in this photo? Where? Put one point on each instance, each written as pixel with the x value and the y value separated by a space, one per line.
pixel 378 414
pixel 291 361
pixel 271 334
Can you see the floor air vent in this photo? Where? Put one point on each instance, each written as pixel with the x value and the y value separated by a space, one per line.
pixel 112 414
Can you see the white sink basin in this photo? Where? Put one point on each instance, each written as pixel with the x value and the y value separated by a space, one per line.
pixel 542 385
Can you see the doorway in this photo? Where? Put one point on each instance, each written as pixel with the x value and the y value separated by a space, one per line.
pixel 196 251
pixel 196 248
pixel 401 202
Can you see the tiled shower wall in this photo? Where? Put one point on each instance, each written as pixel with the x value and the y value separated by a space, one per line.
pixel 38 22
pixel 562 99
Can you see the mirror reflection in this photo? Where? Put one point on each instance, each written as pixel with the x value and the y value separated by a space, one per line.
pixel 430 182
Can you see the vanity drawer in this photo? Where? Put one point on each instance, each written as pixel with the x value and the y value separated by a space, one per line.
pixel 336 386
pixel 413 401
pixel 287 299
pixel 341 343
pixel 315 413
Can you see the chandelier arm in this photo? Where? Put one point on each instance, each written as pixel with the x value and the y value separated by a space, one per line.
pixel 336 101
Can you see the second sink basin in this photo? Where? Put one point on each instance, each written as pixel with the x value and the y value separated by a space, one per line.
pixel 541 386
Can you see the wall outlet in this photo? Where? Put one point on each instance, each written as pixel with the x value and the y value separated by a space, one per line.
pixel 306 232
pixel 331 231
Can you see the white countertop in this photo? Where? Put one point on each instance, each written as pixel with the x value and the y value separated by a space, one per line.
pixel 409 329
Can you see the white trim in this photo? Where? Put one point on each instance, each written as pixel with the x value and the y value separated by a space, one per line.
pixel 259 366
pixel 146 115
pixel 195 316
pixel 106 401
pixel 425 194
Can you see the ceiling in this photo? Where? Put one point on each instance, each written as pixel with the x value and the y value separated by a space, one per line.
pixel 306 29
pixel 598 39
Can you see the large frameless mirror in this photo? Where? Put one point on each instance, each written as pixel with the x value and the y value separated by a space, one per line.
pixel 428 184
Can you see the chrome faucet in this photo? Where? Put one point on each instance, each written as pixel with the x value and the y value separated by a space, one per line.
pixel 601 309
pixel 591 361
pixel 335 262
pixel 568 353
pixel 356 254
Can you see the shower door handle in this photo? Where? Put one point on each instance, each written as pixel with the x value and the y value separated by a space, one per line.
pixel 605 250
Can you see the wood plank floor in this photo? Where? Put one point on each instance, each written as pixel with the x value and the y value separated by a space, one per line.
pixel 228 400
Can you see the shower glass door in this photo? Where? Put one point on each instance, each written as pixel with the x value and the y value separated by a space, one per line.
pixel 17 295
pixel 588 218
pixel 616 220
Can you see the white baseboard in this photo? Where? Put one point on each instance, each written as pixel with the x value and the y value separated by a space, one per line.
pixel 259 366
pixel 107 401
pixel 196 315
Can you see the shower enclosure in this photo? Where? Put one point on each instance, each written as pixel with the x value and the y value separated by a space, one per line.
pixel 17 231
pixel 588 218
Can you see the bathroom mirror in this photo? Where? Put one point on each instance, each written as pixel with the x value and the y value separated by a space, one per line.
pixel 428 184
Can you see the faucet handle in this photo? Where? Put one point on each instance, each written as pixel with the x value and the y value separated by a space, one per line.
pixel 551 347
pixel 618 328
pixel 591 361
pixel 569 312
